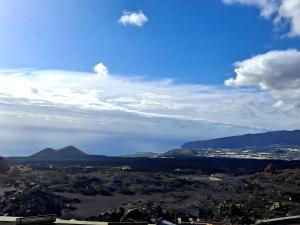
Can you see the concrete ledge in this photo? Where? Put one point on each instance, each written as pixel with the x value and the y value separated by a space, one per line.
pixel 286 220
pixel 77 222
pixel 10 220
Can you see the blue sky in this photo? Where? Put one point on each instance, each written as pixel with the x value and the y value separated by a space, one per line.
pixel 193 42
pixel 176 68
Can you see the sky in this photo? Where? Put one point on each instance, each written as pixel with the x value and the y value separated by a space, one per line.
pixel 117 77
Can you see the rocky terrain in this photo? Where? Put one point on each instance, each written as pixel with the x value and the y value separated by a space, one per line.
pixel 124 194
pixel 31 200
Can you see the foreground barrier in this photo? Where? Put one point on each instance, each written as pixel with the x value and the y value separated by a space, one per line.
pixel 52 220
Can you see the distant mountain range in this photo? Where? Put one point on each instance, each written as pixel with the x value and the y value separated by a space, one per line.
pixel 270 141
pixel 250 141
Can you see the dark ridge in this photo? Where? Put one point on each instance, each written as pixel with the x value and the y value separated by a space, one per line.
pixel 271 139
pixel 207 165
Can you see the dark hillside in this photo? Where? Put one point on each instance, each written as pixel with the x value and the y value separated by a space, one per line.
pixel 260 140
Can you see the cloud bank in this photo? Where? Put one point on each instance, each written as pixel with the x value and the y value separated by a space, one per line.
pixel 115 114
pixel 133 18
pixel 280 11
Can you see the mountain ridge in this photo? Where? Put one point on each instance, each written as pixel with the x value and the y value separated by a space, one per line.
pixel 269 139
pixel 260 142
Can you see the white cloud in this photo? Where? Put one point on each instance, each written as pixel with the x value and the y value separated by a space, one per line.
pixel 133 18
pixel 280 11
pixel 290 10
pixel 268 7
pixel 102 70
pixel 275 71
pixel 271 70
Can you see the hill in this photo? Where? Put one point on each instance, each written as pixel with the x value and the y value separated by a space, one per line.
pixel 254 141
pixel 141 155
pixel 181 152
pixel 66 153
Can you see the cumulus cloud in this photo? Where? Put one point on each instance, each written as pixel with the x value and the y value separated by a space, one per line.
pixel 290 10
pixel 42 108
pixel 102 70
pixel 280 11
pixel 274 71
pixel 133 18
pixel 268 7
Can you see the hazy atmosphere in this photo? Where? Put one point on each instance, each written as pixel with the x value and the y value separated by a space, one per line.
pixel 150 112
